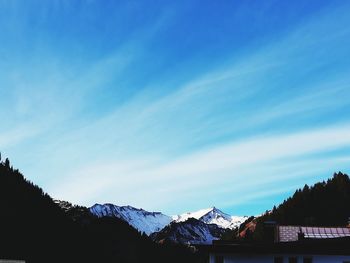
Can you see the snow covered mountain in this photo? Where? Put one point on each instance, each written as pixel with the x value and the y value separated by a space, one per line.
pixel 191 231
pixel 213 216
pixel 200 227
pixel 143 221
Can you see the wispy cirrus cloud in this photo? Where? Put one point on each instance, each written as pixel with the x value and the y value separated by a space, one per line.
pixel 235 164
pixel 155 117
pixel 195 112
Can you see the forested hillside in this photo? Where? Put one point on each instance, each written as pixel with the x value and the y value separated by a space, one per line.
pixel 35 228
pixel 323 204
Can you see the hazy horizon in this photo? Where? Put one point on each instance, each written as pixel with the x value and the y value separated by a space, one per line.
pixel 175 106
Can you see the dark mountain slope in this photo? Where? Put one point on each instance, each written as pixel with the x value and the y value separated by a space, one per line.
pixel 35 228
pixel 28 216
pixel 191 231
pixel 323 204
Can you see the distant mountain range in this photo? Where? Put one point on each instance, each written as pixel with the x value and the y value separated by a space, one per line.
pixel 205 225
pixel 36 228
pixel 197 227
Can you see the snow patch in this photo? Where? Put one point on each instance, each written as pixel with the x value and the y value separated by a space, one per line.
pixel 143 221
pixel 212 216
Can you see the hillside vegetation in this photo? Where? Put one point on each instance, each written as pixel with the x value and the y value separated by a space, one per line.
pixel 35 228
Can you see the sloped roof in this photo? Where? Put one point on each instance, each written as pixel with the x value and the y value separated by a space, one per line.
pixel 330 246
pixel 294 233
pixel 325 232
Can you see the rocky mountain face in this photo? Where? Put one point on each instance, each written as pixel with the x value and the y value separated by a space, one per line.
pixel 199 227
pixel 191 231
pixel 79 214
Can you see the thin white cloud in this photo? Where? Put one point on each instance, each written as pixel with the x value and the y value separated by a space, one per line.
pixel 16 136
pixel 130 179
pixel 150 142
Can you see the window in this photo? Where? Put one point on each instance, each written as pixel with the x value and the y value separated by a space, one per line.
pixel 307 260
pixel 293 260
pixel 219 259
pixel 278 260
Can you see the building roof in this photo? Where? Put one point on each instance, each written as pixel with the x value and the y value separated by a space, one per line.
pixel 334 246
pixel 325 232
pixel 294 233
pixel 291 240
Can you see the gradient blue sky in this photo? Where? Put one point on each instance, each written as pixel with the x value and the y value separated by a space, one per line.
pixel 175 105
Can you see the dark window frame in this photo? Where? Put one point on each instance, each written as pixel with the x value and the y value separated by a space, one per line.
pixel 307 260
pixel 278 259
pixel 219 259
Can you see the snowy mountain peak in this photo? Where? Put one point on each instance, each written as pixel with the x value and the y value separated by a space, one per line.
pixel 215 213
pixel 144 221
pixel 212 215
pixel 151 222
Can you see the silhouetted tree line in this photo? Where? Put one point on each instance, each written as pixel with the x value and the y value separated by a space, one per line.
pixel 33 227
pixel 323 204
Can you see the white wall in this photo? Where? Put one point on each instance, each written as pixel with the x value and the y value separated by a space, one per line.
pixel 269 258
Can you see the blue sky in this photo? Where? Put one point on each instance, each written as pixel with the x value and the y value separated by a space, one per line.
pixel 175 105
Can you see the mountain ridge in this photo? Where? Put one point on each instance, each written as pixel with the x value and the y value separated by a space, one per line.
pixel 142 220
pixel 213 215
pixel 198 227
